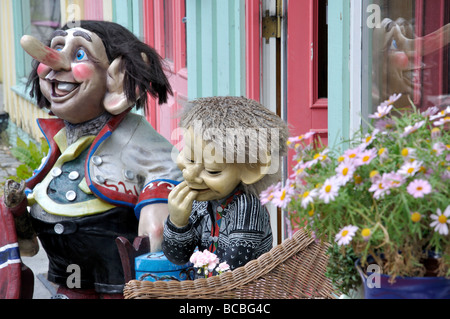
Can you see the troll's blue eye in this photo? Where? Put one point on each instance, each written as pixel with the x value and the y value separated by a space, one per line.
pixel 80 55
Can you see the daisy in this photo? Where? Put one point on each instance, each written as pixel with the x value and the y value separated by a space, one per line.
pixel 440 114
pixel 392 99
pixel 308 197
pixel 369 138
pixel 268 194
pixel 442 121
pixel 393 180
pixel 416 217
pixel 321 156
pixel 438 148
pixel 418 188
pixel 366 157
pixel 379 188
pixel 430 111
pixel 408 153
pixel 440 221
pixel 282 197
pixel 385 124
pixel 344 171
pixel 366 233
pixel 345 235
pixel 383 154
pixel 382 111
pixel 329 190
pixel 410 168
pixel 352 153
pixel 299 138
pixel 412 128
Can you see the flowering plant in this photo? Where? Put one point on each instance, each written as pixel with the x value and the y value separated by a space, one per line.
pixel 387 193
pixel 207 262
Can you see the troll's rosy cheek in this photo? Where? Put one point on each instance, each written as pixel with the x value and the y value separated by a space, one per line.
pixel 42 70
pixel 82 72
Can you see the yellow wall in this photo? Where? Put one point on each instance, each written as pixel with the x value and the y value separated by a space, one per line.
pixel 22 112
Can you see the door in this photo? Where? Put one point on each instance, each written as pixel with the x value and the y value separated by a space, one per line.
pixel 165 30
pixel 307 76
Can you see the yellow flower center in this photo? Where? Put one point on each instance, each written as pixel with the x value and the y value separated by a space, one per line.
pixel 328 188
pixel 311 212
pixel 381 151
pixel 299 171
pixel 365 232
pixel 442 219
pixel 422 169
pixel 341 159
pixel 283 195
pixel 380 186
pixel 316 156
pixel 405 152
pixel 415 217
pixel 352 155
pixel 373 174
pixel 305 194
pixel 419 188
pixel 366 158
pixel 288 143
pixel 410 170
pixel 368 138
pixel 345 171
pixel 344 233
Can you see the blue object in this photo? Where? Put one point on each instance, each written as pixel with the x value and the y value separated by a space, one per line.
pixel 156 266
pixel 377 286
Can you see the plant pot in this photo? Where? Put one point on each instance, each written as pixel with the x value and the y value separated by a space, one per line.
pixel 377 286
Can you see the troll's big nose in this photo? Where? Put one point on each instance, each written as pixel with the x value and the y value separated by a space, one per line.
pixel 44 54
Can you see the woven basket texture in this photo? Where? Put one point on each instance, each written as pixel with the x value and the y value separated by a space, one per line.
pixel 295 269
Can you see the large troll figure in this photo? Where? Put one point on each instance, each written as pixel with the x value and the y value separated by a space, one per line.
pixel 108 172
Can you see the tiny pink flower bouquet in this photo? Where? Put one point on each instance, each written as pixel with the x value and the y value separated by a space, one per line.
pixel 207 263
pixel 387 191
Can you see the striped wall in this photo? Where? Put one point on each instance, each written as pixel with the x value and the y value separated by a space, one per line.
pixel 216 33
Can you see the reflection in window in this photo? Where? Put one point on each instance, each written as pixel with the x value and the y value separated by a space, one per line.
pixel 45 18
pixel 409 53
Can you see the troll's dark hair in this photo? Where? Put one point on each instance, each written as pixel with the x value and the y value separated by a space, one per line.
pixel 119 42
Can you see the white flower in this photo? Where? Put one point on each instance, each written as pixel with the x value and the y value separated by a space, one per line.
pixel 380 187
pixel 410 168
pixel 329 190
pixel 365 157
pixel 369 138
pixel 345 171
pixel 442 121
pixel 440 114
pixel 441 220
pixel 308 197
pixel 382 111
pixel 345 236
pixel 412 128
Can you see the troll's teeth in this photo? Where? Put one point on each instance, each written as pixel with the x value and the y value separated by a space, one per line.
pixel 66 87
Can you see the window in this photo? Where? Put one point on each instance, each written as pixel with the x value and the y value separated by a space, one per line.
pixel 407 50
pixel 45 18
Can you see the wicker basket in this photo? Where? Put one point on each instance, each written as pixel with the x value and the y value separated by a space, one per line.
pixel 294 269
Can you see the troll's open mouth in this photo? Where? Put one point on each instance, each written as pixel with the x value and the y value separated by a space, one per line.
pixel 62 89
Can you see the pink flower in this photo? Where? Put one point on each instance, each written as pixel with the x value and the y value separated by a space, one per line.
pixel 379 188
pixel 410 168
pixel 365 157
pixel 268 194
pixel 393 180
pixel 329 190
pixel 282 197
pixel 418 188
pixel 353 153
pixel 297 139
pixel 223 267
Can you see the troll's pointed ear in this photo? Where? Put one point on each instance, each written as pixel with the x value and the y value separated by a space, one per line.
pixel 115 100
pixel 252 173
